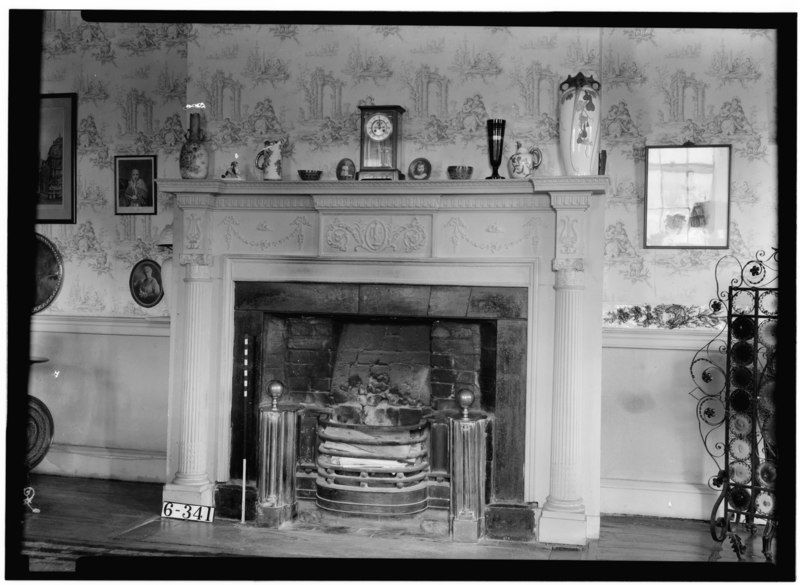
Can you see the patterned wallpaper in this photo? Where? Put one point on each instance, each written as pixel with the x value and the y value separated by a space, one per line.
pixel 304 83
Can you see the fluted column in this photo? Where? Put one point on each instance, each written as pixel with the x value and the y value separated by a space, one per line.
pixel 191 484
pixel 565 461
pixel 563 517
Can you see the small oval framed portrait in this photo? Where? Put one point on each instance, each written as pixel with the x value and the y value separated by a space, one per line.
pixel 145 283
pixel 49 273
pixel 419 169
pixel 346 170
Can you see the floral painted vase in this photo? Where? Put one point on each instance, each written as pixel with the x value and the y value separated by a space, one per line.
pixel 522 163
pixel 194 155
pixel 268 160
pixel 579 124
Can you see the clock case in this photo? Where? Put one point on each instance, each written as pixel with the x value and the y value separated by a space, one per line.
pixel 391 171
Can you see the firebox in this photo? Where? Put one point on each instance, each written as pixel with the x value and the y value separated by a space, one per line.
pixel 376 368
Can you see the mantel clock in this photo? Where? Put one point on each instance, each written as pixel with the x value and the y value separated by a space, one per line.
pixel 381 128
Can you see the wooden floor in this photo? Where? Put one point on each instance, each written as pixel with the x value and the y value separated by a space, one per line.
pixel 112 529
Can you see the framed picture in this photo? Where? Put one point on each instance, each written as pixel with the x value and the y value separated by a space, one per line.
pixel 49 273
pixel 147 287
pixel 56 193
pixel 135 184
pixel 687 196
pixel 419 169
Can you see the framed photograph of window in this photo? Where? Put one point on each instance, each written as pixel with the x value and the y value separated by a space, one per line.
pixel 135 185
pixel 56 193
pixel 687 196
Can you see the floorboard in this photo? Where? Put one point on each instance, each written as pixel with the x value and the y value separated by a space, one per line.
pixel 86 522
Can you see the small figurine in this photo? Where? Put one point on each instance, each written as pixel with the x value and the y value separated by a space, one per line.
pixel 233 171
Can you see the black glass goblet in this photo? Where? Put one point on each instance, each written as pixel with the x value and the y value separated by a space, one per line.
pixel 496 129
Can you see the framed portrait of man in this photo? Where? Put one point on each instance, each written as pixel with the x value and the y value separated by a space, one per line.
pixel 135 185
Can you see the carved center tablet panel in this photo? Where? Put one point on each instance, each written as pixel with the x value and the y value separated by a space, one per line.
pixel 386 235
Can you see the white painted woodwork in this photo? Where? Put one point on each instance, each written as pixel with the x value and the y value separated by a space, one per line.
pixel 488 233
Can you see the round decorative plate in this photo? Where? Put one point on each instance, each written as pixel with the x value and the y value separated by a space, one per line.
pixel 768 332
pixel 740 472
pixel 768 428
pixel 49 273
pixel 742 377
pixel 419 169
pixel 711 410
pixel 743 328
pixel 739 498
pixel 766 395
pixel 743 302
pixel 740 401
pixel 741 424
pixel 765 503
pixel 767 473
pixel 768 303
pixel 740 448
pixel 40 432
pixel 743 352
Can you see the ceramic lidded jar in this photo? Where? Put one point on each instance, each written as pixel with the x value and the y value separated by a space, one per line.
pixel 194 155
pixel 579 124
pixel 522 163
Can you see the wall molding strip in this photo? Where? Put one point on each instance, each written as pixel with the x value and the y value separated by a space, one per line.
pixel 86 325
pixel 645 338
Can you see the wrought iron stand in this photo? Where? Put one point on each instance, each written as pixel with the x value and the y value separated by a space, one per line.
pixel 735 376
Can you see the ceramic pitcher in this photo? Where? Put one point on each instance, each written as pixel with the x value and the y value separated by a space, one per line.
pixel 268 160
pixel 522 163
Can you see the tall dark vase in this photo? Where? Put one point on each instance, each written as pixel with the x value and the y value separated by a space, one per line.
pixel 496 130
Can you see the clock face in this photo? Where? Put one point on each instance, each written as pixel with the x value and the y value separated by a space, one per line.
pixel 379 127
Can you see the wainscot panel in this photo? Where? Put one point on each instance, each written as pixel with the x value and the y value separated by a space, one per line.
pixel 105 384
pixel 653 459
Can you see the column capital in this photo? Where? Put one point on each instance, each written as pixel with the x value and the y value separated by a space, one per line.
pixel 573 200
pixel 570 275
pixel 196 259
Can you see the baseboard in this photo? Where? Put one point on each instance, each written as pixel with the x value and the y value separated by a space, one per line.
pixel 104 463
pixel 653 498
pixel 147 326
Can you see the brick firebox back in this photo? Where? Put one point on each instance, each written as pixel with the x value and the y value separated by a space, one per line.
pixel 424 343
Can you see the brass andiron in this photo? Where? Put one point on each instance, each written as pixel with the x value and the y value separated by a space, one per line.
pixel 275 389
pixel 465 399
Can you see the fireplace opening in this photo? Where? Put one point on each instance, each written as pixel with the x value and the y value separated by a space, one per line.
pixel 377 369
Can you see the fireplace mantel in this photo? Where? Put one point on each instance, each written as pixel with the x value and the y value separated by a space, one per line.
pixel 545 235
pixel 378 195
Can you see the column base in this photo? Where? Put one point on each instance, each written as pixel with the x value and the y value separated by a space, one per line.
pixel 467 530
pixel 197 495
pixel 274 516
pixel 562 527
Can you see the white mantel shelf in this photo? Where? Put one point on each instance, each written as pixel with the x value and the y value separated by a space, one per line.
pixel 509 193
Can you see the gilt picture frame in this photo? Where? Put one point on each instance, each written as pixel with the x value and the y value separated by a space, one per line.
pixel 687 196
pixel 56 192
pixel 134 185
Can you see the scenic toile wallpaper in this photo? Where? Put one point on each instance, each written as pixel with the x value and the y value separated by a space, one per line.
pixel 304 83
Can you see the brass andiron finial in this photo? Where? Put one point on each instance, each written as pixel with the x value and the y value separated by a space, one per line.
pixel 275 389
pixel 465 399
